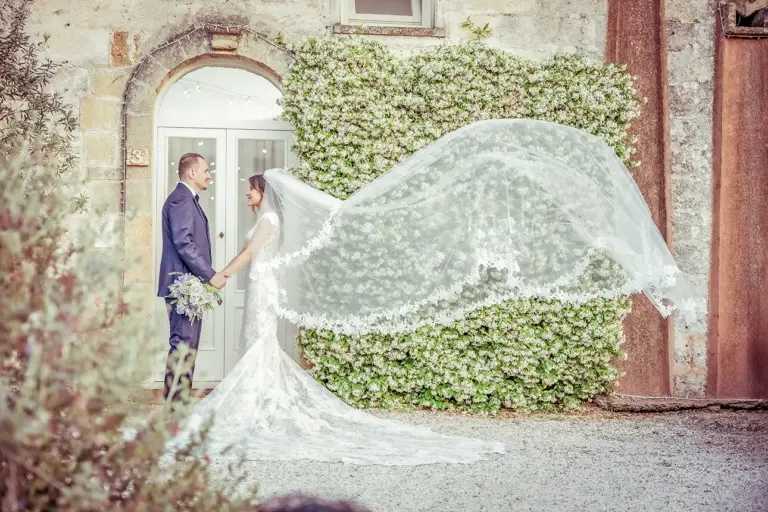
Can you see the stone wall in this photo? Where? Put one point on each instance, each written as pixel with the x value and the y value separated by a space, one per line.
pixel 690 32
pixel 534 29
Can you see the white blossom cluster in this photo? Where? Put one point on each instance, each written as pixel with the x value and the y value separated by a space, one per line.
pixel 358 111
pixel 524 354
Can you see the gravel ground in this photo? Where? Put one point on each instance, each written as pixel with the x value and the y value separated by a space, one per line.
pixel 596 461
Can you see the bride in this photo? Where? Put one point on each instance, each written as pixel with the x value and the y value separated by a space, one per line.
pixel 268 407
pixel 496 210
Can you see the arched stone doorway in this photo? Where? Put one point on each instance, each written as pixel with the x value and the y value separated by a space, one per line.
pixel 197 66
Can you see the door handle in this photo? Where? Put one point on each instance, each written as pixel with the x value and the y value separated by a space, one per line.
pixel 221 234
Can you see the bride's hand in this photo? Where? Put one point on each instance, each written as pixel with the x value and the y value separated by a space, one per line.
pixel 226 273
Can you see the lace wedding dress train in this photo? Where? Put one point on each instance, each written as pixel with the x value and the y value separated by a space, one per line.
pixel 496 210
pixel 269 408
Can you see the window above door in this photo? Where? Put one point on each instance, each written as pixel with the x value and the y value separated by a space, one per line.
pixel 387 18
pixel 407 13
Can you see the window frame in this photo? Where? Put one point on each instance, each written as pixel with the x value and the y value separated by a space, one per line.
pixel 728 11
pixel 423 16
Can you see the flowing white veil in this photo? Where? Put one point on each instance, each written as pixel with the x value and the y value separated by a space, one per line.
pixel 496 210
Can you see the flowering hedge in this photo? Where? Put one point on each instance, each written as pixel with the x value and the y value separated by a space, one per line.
pixel 358 110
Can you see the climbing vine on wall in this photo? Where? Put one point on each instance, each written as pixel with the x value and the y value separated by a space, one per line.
pixel 357 111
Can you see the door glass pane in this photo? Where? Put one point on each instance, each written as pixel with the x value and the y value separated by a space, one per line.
pixel 253 157
pixel 178 146
pixel 389 7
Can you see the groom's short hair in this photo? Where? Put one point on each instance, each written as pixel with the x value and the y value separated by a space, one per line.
pixel 187 162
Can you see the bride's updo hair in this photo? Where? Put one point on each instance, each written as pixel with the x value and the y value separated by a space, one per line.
pixel 257 182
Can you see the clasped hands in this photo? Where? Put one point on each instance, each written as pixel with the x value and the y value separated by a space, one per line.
pixel 219 280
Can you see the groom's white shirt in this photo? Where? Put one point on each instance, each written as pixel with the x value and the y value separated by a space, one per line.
pixel 190 188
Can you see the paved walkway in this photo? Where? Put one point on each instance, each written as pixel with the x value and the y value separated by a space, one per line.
pixel 699 461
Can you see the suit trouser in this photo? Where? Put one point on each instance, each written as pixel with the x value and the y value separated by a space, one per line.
pixel 183 333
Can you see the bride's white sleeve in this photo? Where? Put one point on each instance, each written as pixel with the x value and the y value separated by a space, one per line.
pixel 266 227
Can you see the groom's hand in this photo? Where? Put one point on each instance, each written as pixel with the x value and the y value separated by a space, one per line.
pixel 218 280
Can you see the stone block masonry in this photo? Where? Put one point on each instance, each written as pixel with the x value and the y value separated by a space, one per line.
pixel 690 39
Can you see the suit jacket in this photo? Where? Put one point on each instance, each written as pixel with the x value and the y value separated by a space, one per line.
pixel 186 239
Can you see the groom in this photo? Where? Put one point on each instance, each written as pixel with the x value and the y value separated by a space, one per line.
pixel 186 249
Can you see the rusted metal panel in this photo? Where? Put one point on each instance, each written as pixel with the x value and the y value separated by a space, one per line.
pixel 738 337
pixel 637 37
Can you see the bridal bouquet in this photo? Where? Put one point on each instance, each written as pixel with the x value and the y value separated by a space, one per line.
pixel 191 297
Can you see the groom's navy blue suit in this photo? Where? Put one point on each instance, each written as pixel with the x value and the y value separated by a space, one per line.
pixel 186 249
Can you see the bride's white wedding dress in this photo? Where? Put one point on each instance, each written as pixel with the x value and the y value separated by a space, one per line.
pixel 269 408
pixel 497 210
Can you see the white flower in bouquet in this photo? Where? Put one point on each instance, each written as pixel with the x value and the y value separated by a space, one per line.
pixel 191 297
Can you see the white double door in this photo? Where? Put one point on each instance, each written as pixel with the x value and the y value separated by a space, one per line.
pixel 233 156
